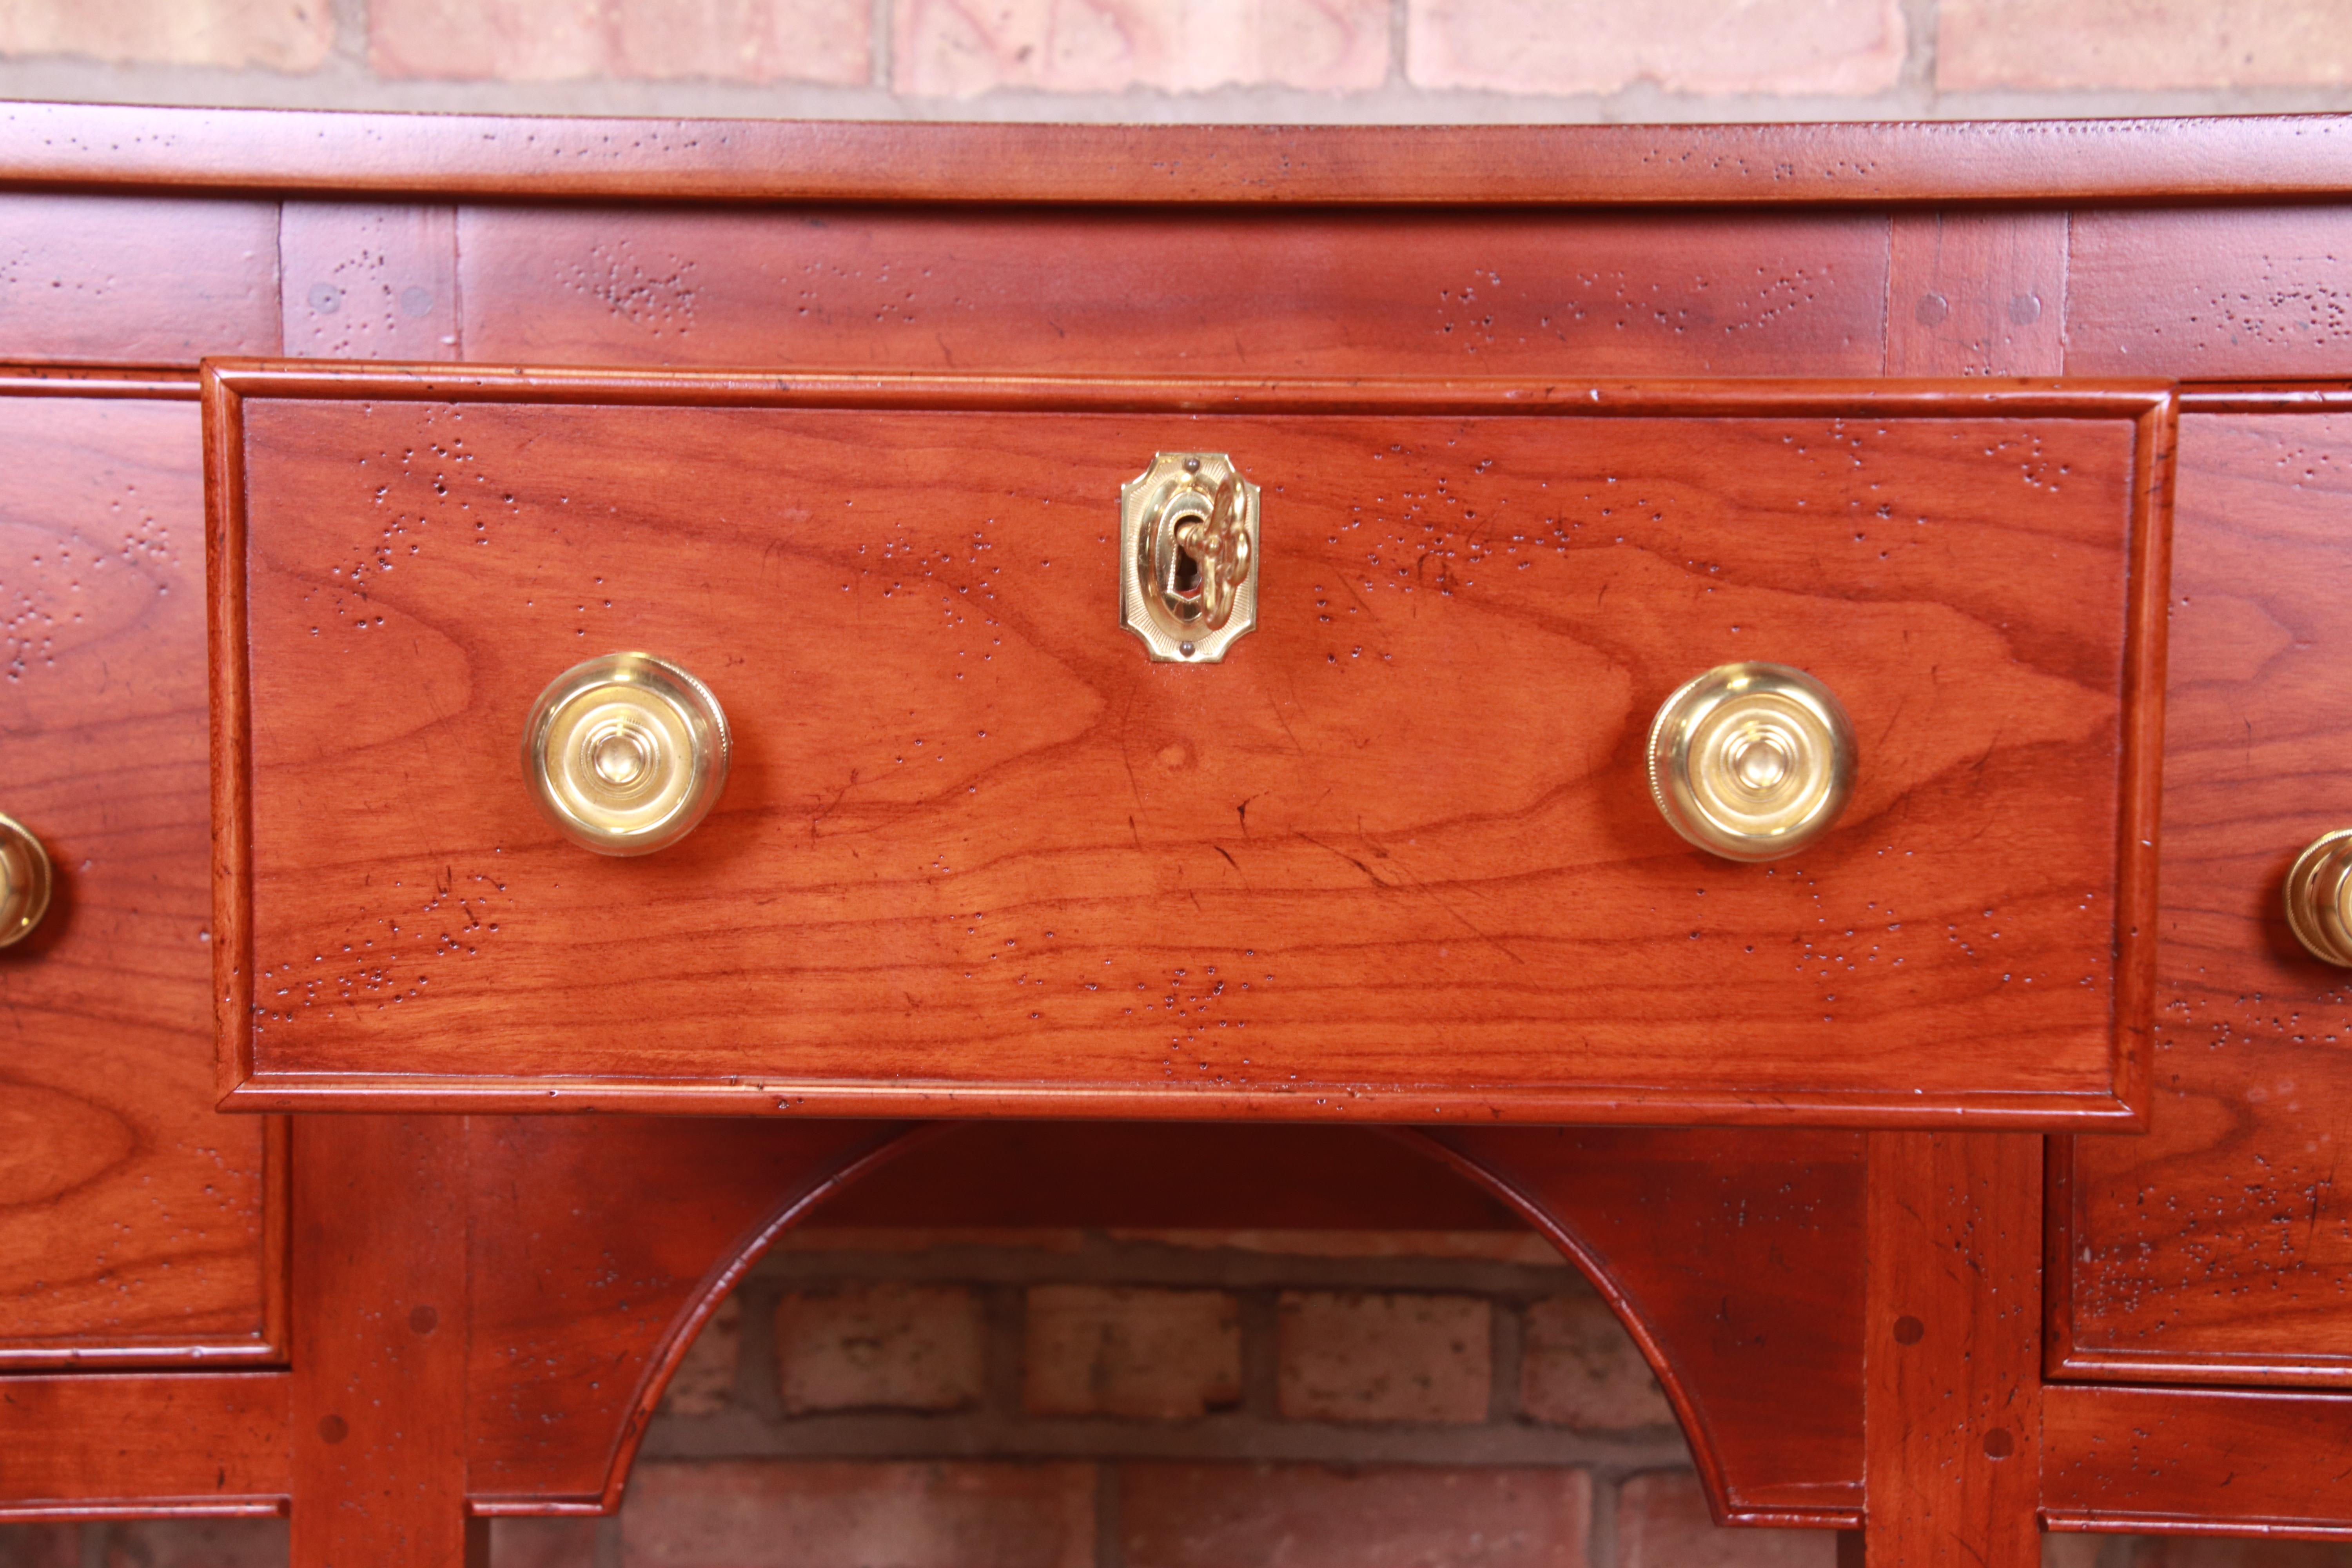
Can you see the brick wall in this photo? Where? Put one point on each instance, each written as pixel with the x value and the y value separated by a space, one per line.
pixel 1075 1398
pixel 1197 59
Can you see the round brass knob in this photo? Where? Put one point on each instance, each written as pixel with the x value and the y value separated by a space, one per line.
pixel 625 753
pixel 24 880
pixel 2319 897
pixel 1751 762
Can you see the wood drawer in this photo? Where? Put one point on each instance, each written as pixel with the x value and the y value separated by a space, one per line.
pixel 1394 858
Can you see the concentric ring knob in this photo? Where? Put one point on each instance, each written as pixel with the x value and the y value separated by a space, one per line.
pixel 1751 762
pixel 2319 897
pixel 24 881
pixel 625 753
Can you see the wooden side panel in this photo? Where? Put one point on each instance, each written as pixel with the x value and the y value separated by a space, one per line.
pixel 1396 857
pixel 2212 293
pixel 2219 1244
pixel 597 1249
pixel 1195 291
pixel 134 1222
pixel 370 281
pixel 2202 1461
pixel 1952 1380
pixel 376 1419
pixel 136 280
pixel 1977 293
pixel 85 1444
pixel 1736 1259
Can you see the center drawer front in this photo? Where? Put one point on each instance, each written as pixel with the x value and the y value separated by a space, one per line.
pixel 1394 857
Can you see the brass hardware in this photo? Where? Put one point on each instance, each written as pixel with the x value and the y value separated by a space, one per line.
pixel 24 881
pixel 2319 897
pixel 625 753
pixel 1751 762
pixel 1188 557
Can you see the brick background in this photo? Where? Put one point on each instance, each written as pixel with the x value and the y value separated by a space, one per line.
pixel 1347 60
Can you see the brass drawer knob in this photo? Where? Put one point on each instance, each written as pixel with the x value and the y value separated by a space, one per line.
pixel 24 880
pixel 2319 897
pixel 625 753
pixel 1188 554
pixel 1751 762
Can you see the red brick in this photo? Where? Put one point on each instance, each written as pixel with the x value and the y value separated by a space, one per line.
pixel 194 1544
pixel 880 1346
pixel 1553 46
pixel 2142 43
pixel 1578 1368
pixel 543 1542
pixel 40 1546
pixel 1369 1357
pixel 749 1513
pixel 704 1384
pixel 1311 1516
pixel 1663 1522
pixel 960 49
pixel 555 40
pixel 1096 1350
pixel 277 34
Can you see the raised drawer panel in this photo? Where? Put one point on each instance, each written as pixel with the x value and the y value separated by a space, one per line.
pixel 135 1224
pixel 1394 857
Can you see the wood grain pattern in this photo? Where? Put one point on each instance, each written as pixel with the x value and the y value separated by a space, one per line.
pixel 2196 1461
pixel 2212 294
pixel 376 1413
pixel 1287 292
pixel 1735 1258
pixel 135 1225
pixel 1951 1379
pixel 2298 157
pixel 87 1444
pixel 136 280
pixel 1977 293
pixel 1023 870
pixel 368 281
pixel 2220 1246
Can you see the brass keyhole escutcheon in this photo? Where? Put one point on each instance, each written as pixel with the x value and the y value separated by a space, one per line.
pixel 625 753
pixel 1188 557
pixel 1751 762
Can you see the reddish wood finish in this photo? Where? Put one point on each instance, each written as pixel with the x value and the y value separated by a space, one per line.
pixel 2217 294
pixel 1977 294
pixel 135 1225
pixel 1735 1260
pixel 87 1444
pixel 2302 156
pixel 1574 294
pixel 364 281
pixel 1952 1396
pixel 376 1417
pixel 2196 1461
pixel 1075 883
pixel 136 280
pixel 2219 1246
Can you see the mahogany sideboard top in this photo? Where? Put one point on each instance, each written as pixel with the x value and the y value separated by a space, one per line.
pixel 1949 1338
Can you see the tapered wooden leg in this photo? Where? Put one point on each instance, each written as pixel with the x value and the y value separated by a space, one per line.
pixel 1951 1361
pixel 378 1419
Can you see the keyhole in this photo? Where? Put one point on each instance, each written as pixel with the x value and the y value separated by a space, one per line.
pixel 1188 573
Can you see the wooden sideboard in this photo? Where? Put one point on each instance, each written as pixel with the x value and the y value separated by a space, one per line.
pixel 2000 1119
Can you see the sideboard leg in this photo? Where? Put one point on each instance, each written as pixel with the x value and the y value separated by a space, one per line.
pixel 1951 1359
pixel 379 1308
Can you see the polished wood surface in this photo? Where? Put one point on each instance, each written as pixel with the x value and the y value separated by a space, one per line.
pixel 1394 857
pixel 135 1225
pixel 2204 1253
pixel 2184 160
pixel 2217 1246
